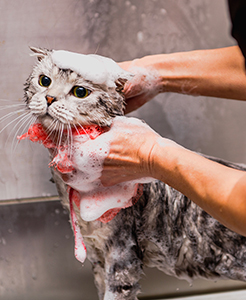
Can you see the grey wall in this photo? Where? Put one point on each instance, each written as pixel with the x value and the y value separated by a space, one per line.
pixel 122 30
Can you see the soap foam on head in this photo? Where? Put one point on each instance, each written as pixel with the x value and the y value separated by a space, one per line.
pixel 96 68
pixel 149 80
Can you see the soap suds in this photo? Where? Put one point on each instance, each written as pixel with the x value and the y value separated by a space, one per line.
pixel 79 247
pixel 86 160
pixel 83 166
pixel 96 68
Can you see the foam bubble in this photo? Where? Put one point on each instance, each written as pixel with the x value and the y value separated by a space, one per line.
pixel 95 199
pixel 102 199
pixel 90 148
pixel 96 68
pixel 148 75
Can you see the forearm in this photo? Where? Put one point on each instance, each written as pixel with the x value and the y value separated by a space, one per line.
pixel 216 73
pixel 136 151
pixel 219 190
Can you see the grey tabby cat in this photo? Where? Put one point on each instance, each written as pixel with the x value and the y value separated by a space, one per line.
pixel 164 229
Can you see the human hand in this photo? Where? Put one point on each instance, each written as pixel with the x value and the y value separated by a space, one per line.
pixel 145 84
pixel 131 142
pixel 107 170
pixel 121 154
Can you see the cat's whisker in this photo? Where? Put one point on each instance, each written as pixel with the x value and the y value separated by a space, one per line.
pixel 76 128
pixel 26 123
pixel 98 46
pixel 51 129
pixel 81 126
pixel 3 107
pixel 9 115
pixel 51 126
pixel 25 118
pixel 54 129
pixel 32 121
pixel 69 137
pixel 23 121
pixel 70 141
pixel 11 122
pixel 57 130
pixel 11 101
pixel 61 130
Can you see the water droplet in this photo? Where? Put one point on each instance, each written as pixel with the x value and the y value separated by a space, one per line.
pixel 4 241
pixel 57 211
pixel 163 11
pixel 177 289
pixel 140 36
pixel 34 276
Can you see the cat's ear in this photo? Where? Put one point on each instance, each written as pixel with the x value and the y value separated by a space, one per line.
pixel 39 52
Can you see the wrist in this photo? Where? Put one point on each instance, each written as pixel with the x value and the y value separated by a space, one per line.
pixel 173 72
pixel 164 159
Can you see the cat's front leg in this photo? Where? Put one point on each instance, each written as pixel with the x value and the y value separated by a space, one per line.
pixel 123 259
pixel 97 262
pixel 121 279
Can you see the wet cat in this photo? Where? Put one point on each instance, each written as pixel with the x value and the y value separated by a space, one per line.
pixel 163 229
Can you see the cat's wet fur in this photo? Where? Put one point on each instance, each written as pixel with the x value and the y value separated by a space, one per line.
pixel 104 102
pixel 164 229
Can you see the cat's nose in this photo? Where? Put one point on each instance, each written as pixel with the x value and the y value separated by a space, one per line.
pixel 50 99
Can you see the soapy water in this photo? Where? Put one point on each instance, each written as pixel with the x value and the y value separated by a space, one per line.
pixel 88 158
pixel 144 86
pixel 98 69
pixel 83 168
pixel 82 161
pixel 79 247
pixel 105 71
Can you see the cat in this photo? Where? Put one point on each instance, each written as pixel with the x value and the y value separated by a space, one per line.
pixel 163 229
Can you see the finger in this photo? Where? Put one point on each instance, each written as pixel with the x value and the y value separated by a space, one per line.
pixel 135 102
pixel 68 177
pixel 65 177
pixel 110 180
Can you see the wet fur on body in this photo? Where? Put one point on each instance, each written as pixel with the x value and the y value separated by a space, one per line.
pixel 164 229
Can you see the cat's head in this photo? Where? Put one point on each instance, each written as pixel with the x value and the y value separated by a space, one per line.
pixel 72 88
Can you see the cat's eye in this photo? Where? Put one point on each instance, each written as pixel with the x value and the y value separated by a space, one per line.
pixel 44 81
pixel 80 92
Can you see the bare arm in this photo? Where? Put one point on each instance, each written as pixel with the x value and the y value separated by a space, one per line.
pixel 216 73
pixel 137 151
pixel 219 190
